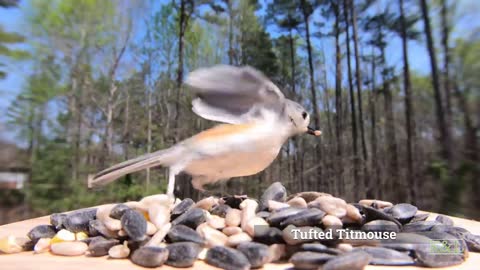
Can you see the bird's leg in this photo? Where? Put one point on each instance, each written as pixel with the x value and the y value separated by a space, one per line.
pixel 171 183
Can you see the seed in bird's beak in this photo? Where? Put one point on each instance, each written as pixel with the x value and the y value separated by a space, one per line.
pixel 314 132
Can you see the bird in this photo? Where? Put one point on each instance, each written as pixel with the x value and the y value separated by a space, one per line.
pixel 257 119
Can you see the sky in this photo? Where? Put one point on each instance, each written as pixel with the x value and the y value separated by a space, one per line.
pixel 13 20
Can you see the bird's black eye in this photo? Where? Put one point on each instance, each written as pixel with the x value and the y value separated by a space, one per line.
pixel 304 115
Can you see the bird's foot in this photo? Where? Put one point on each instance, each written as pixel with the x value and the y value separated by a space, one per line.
pixel 171 196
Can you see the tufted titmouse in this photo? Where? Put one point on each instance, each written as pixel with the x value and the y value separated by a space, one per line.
pixel 259 120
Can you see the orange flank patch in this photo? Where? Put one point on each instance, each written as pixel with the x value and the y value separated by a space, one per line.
pixel 222 130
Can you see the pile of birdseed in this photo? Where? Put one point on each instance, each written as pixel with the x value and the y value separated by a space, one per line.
pixel 308 229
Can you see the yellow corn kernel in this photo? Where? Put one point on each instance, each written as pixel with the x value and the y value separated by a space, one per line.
pixel 81 235
pixel 62 236
pixel 12 244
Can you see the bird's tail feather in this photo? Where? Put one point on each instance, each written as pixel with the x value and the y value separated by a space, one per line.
pixel 162 157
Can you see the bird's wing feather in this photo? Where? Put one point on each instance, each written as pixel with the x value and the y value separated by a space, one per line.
pixel 233 95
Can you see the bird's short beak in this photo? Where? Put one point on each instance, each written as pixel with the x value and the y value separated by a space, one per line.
pixel 313 132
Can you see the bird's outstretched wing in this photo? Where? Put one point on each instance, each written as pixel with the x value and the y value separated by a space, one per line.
pixel 233 95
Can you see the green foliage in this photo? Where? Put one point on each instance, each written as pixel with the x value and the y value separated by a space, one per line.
pixel 50 178
pixel 52 190
pixel 26 110
pixel 63 18
pixel 11 197
pixel 466 63
pixel 255 43
pixel 285 14
pixel 453 185
pixel 258 52
pixel 8 38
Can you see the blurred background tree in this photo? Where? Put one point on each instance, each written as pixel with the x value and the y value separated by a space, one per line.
pixel 392 84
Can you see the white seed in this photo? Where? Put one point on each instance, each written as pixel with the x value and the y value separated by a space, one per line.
pixel 274 205
pixel 73 248
pixel 103 214
pixel 151 229
pixel 255 221
pixel 216 222
pixel 248 207
pixel 353 213
pixel 345 247
pixel 238 238
pixel 233 217
pixel 212 236
pixel 207 203
pixel 162 199
pixel 42 245
pixel 159 214
pixel 331 221
pixel 330 205
pixel 119 251
pixel 298 202
pixel 231 230
pixel 158 237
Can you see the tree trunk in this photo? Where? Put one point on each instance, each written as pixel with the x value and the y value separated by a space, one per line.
pixel 471 147
pixel 310 68
pixel 330 176
pixel 126 125
pixel 73 130
pixel 441 122
pixel 182 179
pixel 31 135
pixel 372 192
pixel 294 153
pixel 182 23
pixel 328 162
pixel 316 113
pixel 471 143
pixel 149 132
pixel 111 100
pixel 352 103
pixel 446 68
pixel 230 32
pixel 108 144
pixel 292 62
pixel 396 186
pixel 409 110
pixel 338 100
pixel 358 74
